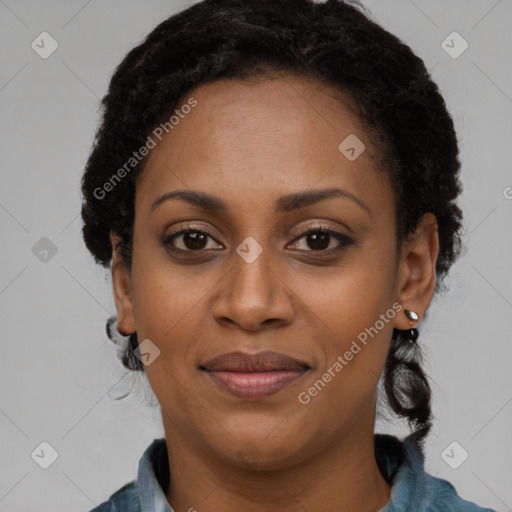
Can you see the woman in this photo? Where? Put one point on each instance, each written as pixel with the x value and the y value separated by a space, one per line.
pixel 274 184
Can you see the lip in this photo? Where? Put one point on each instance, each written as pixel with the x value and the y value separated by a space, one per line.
pixel 254 376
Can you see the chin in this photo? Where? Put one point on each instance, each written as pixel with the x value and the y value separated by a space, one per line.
pixel 263 452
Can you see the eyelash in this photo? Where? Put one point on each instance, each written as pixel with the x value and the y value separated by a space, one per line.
pixel 320 228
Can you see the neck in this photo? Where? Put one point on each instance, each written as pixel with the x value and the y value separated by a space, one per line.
pixel 343 477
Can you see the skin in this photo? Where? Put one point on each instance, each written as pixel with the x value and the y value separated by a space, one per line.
pixel 249 144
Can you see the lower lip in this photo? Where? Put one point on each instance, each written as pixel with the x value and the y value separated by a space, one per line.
pixel 254 385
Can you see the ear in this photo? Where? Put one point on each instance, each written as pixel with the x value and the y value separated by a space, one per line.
pixel 121 283
pixel 417 271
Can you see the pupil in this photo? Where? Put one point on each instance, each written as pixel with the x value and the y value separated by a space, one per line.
pixel 320 241
pixel 194 240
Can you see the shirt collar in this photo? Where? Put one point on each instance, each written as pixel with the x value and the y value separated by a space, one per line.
pixel 400 462
pixel 405 472
pixel 153 478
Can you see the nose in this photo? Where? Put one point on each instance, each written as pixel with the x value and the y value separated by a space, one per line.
pixel 253 295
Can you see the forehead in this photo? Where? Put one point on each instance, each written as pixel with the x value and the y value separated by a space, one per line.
pixel 265 137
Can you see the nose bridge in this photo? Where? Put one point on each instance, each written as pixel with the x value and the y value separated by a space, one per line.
pixel 253 280
pixel 252 292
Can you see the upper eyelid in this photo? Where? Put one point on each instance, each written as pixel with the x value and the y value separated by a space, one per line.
pixel 190 227
pixel 316 226
pixel 319 225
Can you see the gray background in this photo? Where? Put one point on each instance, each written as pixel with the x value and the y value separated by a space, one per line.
pixel 59 372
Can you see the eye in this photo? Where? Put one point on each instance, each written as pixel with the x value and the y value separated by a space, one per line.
pixel 191 239
pixel 319 238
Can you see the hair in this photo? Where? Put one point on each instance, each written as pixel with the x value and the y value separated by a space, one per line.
pixel 334 42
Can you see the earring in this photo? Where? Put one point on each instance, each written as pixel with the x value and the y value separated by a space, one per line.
pixel 412 333
pixel 411 315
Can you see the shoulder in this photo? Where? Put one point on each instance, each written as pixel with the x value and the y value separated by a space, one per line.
pixel 413 488
pixel 124 500
pixel 141 493
pixel 442 497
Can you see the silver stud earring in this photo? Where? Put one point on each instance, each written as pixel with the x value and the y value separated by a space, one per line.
pixel 411 334
pixel 411 315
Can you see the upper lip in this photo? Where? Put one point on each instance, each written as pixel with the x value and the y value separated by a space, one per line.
pixel 260 362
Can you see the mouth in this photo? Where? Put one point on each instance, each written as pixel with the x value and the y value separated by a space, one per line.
pixel 254 376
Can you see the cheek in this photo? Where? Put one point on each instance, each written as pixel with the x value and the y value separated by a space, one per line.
pixel 354 311
pixel 167 303
pixel 350 297
pixel 168 311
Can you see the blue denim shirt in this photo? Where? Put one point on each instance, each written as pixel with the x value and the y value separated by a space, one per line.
pixel 401 463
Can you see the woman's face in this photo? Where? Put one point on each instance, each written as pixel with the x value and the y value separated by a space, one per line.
pixel 253 282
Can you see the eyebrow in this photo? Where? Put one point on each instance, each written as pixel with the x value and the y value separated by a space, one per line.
pixel 284 204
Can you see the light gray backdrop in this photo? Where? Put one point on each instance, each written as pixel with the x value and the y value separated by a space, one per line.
pixel 59 373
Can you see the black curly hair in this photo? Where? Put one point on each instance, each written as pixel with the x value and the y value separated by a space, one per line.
pixel 334 42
